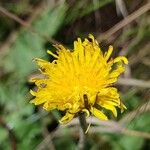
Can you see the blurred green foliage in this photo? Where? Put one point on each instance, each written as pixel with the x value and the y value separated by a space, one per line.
pixel 29 122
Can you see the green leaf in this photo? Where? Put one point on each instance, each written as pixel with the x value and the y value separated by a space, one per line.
pixel 29 45
pixel 83 8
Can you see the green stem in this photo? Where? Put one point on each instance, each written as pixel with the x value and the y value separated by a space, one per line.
pixel 83 124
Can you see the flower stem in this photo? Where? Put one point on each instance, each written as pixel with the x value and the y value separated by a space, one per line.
pixel 84 126
pixel 83 123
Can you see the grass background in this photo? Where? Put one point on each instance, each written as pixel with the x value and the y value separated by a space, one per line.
pixel 29 27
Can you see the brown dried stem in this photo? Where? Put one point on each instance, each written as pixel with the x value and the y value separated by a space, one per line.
pixel 133 82
pixel 26 24
pixel 108 127
pixel 130 18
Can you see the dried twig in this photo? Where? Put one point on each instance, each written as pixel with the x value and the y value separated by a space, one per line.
pixel 140 55
pixel 124 22
pixel 14 17
pixel 26 24
pixel 121 8
pixel 135 113
pixel 122 131
pixel 13 35
pixel 134 82
pixel 136 133
pixel 107 127
pixel 46 144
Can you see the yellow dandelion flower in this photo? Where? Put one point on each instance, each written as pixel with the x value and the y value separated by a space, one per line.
pixel 80 81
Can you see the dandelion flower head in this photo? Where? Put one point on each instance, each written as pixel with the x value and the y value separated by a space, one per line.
pixel 80 81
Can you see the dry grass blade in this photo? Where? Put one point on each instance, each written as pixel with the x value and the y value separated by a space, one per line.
pixel 14 17
pixel 124 22
pixel 13 35
pixel 136 133
pixel 26 24
pixel 121 131
pixel 135 113
pixel 134 82
pixel 46 144
pixel 106 127
pixel 140 56
pixel 121 8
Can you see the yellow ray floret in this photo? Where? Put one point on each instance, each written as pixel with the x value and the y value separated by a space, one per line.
pixel 80 81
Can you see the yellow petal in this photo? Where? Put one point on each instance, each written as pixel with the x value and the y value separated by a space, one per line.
pixel 97 113
pixel 108 54
pixel 93 39
pixel 87 112
pixel 47 106
pixel 67 105
pixel 32 92
pixel 49 52
pixel 111 108
pixel 40 62
pixel 123 107
pixel 76 73
pixel 67 118
pixel 37 101
pixel 121 58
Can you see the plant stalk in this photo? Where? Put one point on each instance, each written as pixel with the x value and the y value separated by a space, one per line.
pixel 84 126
